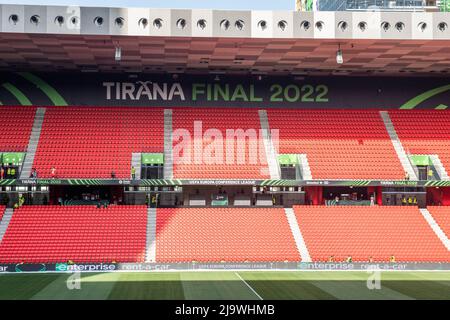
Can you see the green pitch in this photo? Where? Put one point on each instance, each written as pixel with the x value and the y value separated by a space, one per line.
pixel 226 285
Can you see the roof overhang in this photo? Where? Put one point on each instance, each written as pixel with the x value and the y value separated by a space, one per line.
pixel 296 43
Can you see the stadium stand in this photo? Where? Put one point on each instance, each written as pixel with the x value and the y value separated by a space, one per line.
pixel 40 234
pixel 222 119
pixel 223 234
pixel 11 139
pixel 361 232
pixel 2 211
pixel 92 142
pixel 424 132
pixel 339 144
pixel 441 215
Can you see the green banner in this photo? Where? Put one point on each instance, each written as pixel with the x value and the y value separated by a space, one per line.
pixel 273 183
pixel 152 158
pixel 15 158
pixel 420 160
pixel 288 159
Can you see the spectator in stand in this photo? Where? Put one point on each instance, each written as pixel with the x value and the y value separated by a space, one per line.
pixel 33 174
pixel 331 259
pixel 349 259
pixel 133 172
pixel 370 259
pixel 2 173
pixel 392 259
pixel 53 172
pixel 406 175
pixel 113 175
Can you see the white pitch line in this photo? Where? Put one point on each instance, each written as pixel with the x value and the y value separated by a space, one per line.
pixel 249 286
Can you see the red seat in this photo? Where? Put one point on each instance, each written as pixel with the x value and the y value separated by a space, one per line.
pixel 92 142
pixel 339 144
pixel 79 233
pixel 224 234
pixel 361 232
pixel 424 132
pixel 245 161
pixel 441 215
pixel 12 118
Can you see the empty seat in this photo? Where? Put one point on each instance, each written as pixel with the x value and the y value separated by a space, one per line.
pixel 92 142
pixel 424 132
pixel 223 156
pixel 441 215
pixel 224 234
pixel 339 144
pixel 47 234
pixel 361 232
pixel 16 123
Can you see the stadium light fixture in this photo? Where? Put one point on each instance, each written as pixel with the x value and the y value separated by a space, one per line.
pixel 118 54
pixel 339 56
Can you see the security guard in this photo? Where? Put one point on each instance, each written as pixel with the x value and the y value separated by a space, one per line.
pixel 153 201
pixel 430 174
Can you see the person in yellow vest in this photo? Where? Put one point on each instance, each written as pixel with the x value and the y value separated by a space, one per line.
pixel 430 174
pixel 404 201
pixel 21 200
pixel 415 201
pixel 410 201
pixel 133 172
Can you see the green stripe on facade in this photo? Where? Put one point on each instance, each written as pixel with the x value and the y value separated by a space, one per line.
pixel 19 95
pixel 414 102
pixel 49 91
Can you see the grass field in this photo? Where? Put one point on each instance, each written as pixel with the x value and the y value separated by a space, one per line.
pixel 249 285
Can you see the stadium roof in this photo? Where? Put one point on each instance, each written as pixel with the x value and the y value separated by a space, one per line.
pixel 221 55
pixel 48 38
